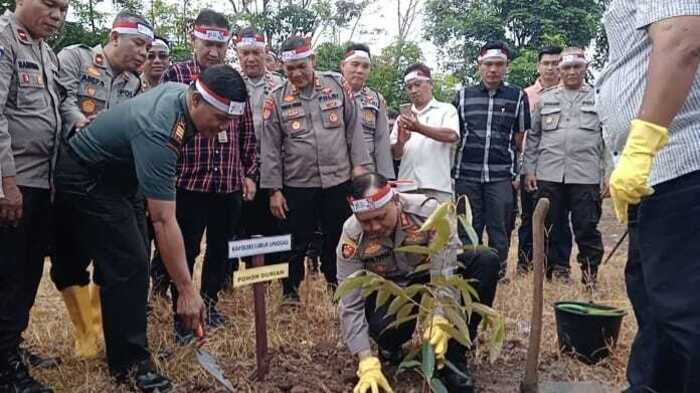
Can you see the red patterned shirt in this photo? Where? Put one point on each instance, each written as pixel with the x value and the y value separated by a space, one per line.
pixel 215 164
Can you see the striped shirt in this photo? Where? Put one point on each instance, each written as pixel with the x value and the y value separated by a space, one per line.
pixel 622 84
pixel 215 164
pixel 488 122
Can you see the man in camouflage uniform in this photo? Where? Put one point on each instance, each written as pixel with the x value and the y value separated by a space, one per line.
pixel 29 125
pixel 311 144
pixel 384 220
pixel 95 80
pixel 356 66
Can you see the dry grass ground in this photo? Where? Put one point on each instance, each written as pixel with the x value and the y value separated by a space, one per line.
pixel 306 348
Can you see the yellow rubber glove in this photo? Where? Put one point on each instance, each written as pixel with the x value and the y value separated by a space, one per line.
pixel 438 337
pixel 371 377
pixel 629 181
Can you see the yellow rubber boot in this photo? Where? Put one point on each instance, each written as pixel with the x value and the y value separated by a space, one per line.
pixel 77 299
pixel 96 309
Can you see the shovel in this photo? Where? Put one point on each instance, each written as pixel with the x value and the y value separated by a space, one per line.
pixel 209 363
pixel 530 383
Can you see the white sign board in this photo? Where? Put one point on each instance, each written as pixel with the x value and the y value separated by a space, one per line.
pixel 259 246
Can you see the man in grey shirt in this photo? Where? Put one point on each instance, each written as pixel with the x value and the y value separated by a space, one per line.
pixel 564 159
pixel 29 124
pixel 649 102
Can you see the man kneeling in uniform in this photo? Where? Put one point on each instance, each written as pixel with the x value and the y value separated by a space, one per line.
pixel 382 221
pixel 130 150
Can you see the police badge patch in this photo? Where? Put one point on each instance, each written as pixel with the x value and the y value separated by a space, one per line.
pixel 348 249
pixel 268 108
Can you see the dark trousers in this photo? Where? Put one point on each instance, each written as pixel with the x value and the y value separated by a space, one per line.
pixel 219 215
pixel 71 255
pixel 491 204
pixel 583 202
pixel 22 251
pixel 663 288
pixel 308 206
pixel 257 220
pixel 114 222
pixel 480 266
pixel 561 244
pixel 651 359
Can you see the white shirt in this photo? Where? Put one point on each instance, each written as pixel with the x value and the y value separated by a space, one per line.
pixel 426 161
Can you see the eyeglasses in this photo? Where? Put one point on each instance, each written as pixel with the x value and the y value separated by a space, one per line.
pixel 160 55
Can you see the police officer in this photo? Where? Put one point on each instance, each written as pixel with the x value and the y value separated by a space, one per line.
pixel 252 49
pixel 564 161
pixel 95 80
pixel 311 143
pixel 134 147
pixel 356 66
pixel 384 220
pixel 29 124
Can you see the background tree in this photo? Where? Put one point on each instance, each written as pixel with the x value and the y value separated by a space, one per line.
pixel 459 27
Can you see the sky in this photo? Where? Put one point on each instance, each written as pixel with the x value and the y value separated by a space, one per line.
pixel 380 16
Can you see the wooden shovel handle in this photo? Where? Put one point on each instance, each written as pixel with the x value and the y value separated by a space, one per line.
pixel 529 384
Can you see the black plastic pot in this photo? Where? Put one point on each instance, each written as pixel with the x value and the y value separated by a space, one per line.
pixel 587 330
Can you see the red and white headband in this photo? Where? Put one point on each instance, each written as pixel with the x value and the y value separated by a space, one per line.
pixel 210 33
pixel 573 59
pixel 251 42
pixel 415 76
pixel 494 54
pixel 299 53
pixel 134 28
pixel 357 55
pixel 229 107
pixel 375 201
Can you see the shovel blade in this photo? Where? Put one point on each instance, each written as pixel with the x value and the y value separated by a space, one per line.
pixel 209 363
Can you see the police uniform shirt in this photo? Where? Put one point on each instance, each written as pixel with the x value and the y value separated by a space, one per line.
pixel 311 139
pixel 29 97
pixel 142 137
pixel 375 127
pixel 258 91
pixel 91 85
pixel 356 253
pixel 565 144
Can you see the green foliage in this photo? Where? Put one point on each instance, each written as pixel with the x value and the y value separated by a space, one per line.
pixel 460 27
pixel 7 5
pixel 329 56
pixel 421 302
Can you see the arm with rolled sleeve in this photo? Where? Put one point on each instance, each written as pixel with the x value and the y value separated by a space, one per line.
pixel 7 161
pixel 357 148
pixel 353 322
pixel 271 148
pixel 532 145
pixel 248 143
pixel 382 147
pixel 69 78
